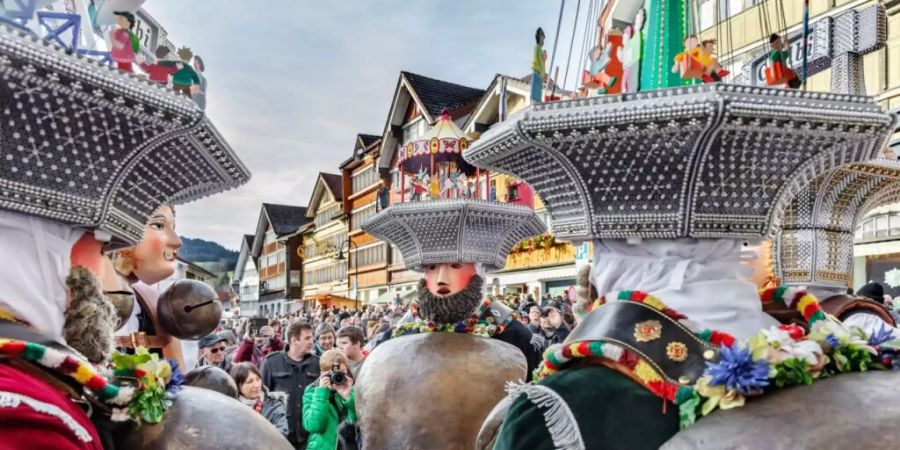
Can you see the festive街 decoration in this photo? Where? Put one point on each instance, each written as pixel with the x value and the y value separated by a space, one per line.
pixel 707 161
pixel 478 323
pixel 145 378
pixel 462 230
pixel 778 357
pixel 148 134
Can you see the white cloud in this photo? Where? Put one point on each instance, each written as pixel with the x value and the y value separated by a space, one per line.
pixel 291 85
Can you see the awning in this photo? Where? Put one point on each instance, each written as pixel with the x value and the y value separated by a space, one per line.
pixel 534 275
pixel 331 300
pixel 389 296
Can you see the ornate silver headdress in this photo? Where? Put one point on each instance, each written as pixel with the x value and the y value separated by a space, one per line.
pixel 87 145
pixel 711 161
pixel 464 230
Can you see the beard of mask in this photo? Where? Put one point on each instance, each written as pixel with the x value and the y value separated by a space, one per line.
pixel 451 308
pixel 91 318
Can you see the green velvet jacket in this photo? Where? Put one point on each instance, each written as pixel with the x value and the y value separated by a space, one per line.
pixel 611 412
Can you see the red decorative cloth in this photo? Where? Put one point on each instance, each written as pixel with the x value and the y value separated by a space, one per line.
pixel 35 415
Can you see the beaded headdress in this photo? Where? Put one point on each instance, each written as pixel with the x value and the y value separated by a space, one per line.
pixel 445 231
pixel 87 145
pixel 710 161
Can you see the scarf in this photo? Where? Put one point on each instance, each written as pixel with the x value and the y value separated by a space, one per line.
pixel 33 271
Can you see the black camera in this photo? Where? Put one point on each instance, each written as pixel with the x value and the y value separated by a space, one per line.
pixel 337 377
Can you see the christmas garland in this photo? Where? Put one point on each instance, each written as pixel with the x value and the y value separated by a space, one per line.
pixel 778 357
pixel 472 325
pixel 146 400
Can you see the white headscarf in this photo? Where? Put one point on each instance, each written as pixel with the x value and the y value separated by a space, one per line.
pixel 700 278
pixel 33 270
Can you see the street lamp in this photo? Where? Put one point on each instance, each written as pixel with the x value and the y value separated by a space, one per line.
pixel 340 257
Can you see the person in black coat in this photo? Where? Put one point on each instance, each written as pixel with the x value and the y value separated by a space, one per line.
pixel 531 345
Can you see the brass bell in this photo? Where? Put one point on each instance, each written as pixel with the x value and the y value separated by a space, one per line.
pixel 189 309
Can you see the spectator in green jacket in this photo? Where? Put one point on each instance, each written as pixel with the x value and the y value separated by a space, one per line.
pixel 328 402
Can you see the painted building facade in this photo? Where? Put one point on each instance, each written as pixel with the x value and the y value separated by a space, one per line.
pixel 323 239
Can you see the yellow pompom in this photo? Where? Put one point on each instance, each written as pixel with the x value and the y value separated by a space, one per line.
pixel 806 300
pixel 646 372
pixel 83 374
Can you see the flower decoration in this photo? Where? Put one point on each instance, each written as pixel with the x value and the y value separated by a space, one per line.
pixel 737 370
pixel 151 376
pixel 473 325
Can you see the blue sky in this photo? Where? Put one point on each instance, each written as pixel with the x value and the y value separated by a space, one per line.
pixel 291 83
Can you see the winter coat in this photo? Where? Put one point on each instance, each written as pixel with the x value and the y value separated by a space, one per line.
pixel 273 409
pixel 281 373
pixel 248 352
pixel 323 410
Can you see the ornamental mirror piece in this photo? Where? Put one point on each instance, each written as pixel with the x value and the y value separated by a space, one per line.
pixel 87 145
pixel 711 161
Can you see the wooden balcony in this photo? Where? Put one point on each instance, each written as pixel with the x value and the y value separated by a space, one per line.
pixel 559 253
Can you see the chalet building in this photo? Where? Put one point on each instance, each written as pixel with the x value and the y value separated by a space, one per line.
pixel 277 256
pixel 362 198
pixel 246 277
pixel 325 239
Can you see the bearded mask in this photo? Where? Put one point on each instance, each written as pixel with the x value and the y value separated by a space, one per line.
pixel 91 319
pixel 450 308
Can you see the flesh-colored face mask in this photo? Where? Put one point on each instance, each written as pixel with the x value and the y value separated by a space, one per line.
pixel 448 279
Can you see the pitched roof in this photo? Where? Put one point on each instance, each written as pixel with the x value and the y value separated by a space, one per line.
pixel 334 183
pixel 368 139
pixel 285 219
pixel 248 239
pixel 437 95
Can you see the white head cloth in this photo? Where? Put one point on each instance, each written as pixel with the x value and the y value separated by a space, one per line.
pixel 36 261
pixel 700 278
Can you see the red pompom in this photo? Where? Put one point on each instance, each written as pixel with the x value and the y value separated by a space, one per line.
pixel 795 331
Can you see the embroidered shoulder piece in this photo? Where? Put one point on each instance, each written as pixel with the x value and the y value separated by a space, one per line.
pixel 558 417
pixel 14 400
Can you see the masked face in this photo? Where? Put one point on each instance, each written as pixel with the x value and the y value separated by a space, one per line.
pixel 448 279
pixel 450 308
pixel 761 264
pixel 154 256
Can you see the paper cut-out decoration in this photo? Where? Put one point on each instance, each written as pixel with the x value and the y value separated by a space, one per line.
pixel 163 68
pixel 538 71
pixel 124 44
pixel 186 81
pixel 778 72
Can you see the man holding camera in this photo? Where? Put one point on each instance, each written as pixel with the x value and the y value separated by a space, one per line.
pixel 257 345
pixel 331 401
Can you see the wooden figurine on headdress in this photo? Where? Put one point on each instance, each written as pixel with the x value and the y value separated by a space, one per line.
pixel 538 71
pixel 632 46
pixel 778 72
pixel 163 68
pixel 606 67
pixel 125 44
pixel 713 71
pixel 688 62
pixel 186 81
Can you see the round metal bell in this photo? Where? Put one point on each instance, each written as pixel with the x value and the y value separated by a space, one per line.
pixel 201 419
pixel 856 410
pixel 212 378
pixel 189 309
pixel 433 389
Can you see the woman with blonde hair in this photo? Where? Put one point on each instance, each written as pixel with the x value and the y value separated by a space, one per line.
pixel 329 401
